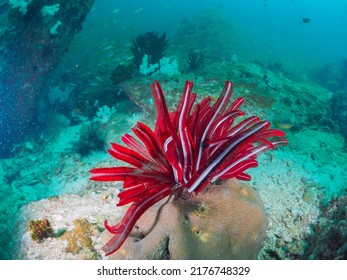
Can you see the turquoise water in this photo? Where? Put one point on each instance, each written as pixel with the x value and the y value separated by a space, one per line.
pixel 287 59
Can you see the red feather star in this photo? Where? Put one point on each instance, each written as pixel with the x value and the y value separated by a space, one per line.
pixel 189 148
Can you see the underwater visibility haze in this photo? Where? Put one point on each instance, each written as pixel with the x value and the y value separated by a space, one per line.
pixel 122 134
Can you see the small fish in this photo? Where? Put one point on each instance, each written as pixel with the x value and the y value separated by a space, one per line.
pixel 129 57
pixel 99 78
pixel 137 11
pixel 115 60
pixel 94 84
pixel 107 48
pixel 306 20
pixel 287 124
pixel 101 63
pixel 103 45
pixel 110 55
pixel 115 11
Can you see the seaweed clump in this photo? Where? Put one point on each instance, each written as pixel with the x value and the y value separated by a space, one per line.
pixel 329 240
pixel 40 229
pixel 338 106
pixel 92 138
pixel 150 44
pixel 195 60
pixel 121 73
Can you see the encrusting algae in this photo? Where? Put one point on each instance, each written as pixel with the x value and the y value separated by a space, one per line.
pixel 79 238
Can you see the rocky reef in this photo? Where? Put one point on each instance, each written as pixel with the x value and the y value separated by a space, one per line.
pixel 35 36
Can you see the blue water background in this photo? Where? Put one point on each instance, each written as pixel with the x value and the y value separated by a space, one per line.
pixel 266 30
